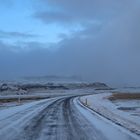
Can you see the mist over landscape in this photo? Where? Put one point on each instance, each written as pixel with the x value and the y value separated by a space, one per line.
pixel 95 39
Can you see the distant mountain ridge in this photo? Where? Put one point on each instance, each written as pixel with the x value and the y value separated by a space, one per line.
pixel 52 78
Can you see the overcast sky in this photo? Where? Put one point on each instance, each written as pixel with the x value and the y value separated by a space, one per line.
pixel 98 40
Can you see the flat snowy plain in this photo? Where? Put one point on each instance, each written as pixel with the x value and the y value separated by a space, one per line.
pixel 63 117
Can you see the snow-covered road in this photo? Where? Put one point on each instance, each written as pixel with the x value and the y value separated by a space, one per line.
pixel 61 118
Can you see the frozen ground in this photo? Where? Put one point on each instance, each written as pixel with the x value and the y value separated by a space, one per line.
pixel 10 100
pixel 131 108
pixel 55 113
pixel 58 118
pixel 125 113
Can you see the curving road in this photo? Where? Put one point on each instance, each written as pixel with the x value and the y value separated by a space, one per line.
pixel 54 119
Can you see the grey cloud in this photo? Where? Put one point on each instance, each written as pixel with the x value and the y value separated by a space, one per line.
pixel 5 34
pixel 57 17
pixel 112 56
pixel 20 63
pixel 81 11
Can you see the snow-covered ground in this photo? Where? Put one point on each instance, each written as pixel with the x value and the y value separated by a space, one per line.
pixel 12 104
pixel 111 110
pixel 32 120
pixel 109 129
pixel 57 118
pixel 13 100
pixel 130 108
pixel 13 119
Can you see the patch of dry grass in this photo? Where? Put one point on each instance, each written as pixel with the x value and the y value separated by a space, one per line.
pixel 124 96
pixel 21 99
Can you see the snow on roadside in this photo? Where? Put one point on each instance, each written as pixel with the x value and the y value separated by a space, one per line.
pixel 110 130
pixel 13 110
pixel 13 120
pixel 100 104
